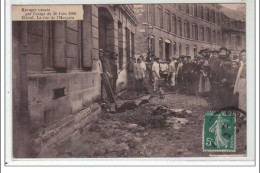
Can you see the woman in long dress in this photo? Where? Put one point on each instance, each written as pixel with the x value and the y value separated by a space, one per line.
pixel 240 85
pixel 204 85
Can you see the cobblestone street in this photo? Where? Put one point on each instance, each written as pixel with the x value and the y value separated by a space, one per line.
pixel 129 133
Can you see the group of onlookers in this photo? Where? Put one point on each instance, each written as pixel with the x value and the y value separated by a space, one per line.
pixel 211 73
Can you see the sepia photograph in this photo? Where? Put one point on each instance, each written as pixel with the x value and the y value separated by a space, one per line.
pixel 129 80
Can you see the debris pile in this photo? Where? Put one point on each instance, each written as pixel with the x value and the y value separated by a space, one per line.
pixel 162 116
pixel 124 105
pixel 176 123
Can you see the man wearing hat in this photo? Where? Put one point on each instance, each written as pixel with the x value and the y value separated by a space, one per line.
pixel 106 90
pixel 156 73
pixel 207 53
pixel 179 73
pixel 220 85
pixel 149 64
pixel 190 75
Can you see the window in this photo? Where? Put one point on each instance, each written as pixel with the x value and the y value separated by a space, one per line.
pixel 80 44
pixel 202 12
pixel 167 21
pixel 180 50
pixel 207 14
pixel 127 47
pixel 195 50
pixel 174 25
pixel 159 17
pixel 120 45
pixel 199 11
pixel 151 14
pixel 214 36
pixel 48 46
pixel 132 44
pixel 213 16
pixel 238 40
pixel 201 33
pixel 218 37
pixel 187 8
pixel 218 18
pixel 174 48
pixel 187 50
pixel 152 45
pixel 160 48
pixel 195 10
pixel 186 29
pixel 194 32
pixel 179 27
pixel 179 6
pixel 208 33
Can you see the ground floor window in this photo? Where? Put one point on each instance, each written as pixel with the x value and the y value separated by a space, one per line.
pixel 187 50
pixel 160 48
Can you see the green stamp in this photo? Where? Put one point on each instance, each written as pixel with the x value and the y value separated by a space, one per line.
pixel 219 132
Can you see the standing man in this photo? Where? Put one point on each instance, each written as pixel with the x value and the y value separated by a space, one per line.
pixel 185 71
pixel 221 85
pixel 240 85
pixel 100 69
pixel 146 74
pixel 156 73
pixel 172 71
pixel 179 74
pixel 114 69
pixel 149 64
pixel 139 75
pixel 131 76
pixel 107 92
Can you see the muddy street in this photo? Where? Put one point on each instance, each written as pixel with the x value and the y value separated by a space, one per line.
pixel 134 133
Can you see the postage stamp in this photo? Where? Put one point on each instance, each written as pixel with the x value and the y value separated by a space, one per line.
pixel 219 132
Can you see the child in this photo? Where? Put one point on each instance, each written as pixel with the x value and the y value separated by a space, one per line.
pixel 161 93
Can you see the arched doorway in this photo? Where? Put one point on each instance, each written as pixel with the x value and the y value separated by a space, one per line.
pixel 106 29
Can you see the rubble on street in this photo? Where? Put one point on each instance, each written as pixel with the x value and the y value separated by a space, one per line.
pixel 148 130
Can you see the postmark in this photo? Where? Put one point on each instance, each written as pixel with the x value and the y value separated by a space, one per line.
pixel 219 132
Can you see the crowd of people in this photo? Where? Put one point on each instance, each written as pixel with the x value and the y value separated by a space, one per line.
pixel 212 73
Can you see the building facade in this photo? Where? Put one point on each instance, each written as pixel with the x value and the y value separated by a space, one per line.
pixel 170 30
pixel 55 63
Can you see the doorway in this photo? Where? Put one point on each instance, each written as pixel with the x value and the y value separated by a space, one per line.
pixel 105 29
pixel 167 49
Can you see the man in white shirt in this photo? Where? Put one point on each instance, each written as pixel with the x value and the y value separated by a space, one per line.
pixel 143 65
pixel 156 74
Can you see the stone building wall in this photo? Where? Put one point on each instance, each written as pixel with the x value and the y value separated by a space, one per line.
pixel 59 63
